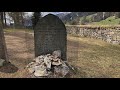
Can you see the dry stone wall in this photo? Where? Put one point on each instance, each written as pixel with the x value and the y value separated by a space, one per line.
pixel 109 34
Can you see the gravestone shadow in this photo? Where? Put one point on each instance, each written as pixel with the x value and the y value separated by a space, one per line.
pixel 8 68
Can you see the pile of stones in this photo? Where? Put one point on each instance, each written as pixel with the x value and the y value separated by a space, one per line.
pixel 49 65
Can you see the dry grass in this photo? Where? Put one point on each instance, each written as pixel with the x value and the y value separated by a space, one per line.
pixel 93 58
pixel 95 26
pixel 20 47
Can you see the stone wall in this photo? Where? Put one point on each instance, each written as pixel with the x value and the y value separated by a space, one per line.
pixel 109 34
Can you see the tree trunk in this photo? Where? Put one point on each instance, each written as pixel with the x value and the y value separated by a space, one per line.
pixel 35 18
pixel 5 19
pixel 2 19
pixel 3 49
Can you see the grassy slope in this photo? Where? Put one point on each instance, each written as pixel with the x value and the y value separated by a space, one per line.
pixel 109 21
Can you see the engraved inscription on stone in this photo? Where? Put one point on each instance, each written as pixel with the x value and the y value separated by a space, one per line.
pixel 50 35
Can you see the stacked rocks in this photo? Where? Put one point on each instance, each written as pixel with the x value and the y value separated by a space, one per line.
pixel 49 65
pixel 110 34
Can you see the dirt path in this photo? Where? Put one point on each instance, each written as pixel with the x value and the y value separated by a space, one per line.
pixel 20 47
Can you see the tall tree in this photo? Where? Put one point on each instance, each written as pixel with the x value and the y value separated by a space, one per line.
pixel 18 18
pixel 35 18
pixel 2 18
pixel 4 15
pixel 3 50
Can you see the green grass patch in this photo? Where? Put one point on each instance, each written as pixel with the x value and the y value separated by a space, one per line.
pixel 90 17
pixel 109 21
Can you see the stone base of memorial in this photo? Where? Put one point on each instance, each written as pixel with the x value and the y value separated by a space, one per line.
pixel 49 66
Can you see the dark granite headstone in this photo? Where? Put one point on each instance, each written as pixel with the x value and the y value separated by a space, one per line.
pixel 50 35
pixel 3 51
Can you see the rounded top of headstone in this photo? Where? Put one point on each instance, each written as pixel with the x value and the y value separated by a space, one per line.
pixel 50 20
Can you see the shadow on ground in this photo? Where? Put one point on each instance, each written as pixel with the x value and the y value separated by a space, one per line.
pixel 8 68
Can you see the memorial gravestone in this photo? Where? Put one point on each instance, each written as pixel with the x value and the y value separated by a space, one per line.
pixel 50 35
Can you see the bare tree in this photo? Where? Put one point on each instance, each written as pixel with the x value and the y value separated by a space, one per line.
pixel 4 15
pixel 35 18
pixel 18 18
pixel 2 20
pixel 3 49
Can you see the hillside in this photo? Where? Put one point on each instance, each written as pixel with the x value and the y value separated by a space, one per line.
pixel 81 18
pixel 62 15
pixel 73 15
pixel 109 21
